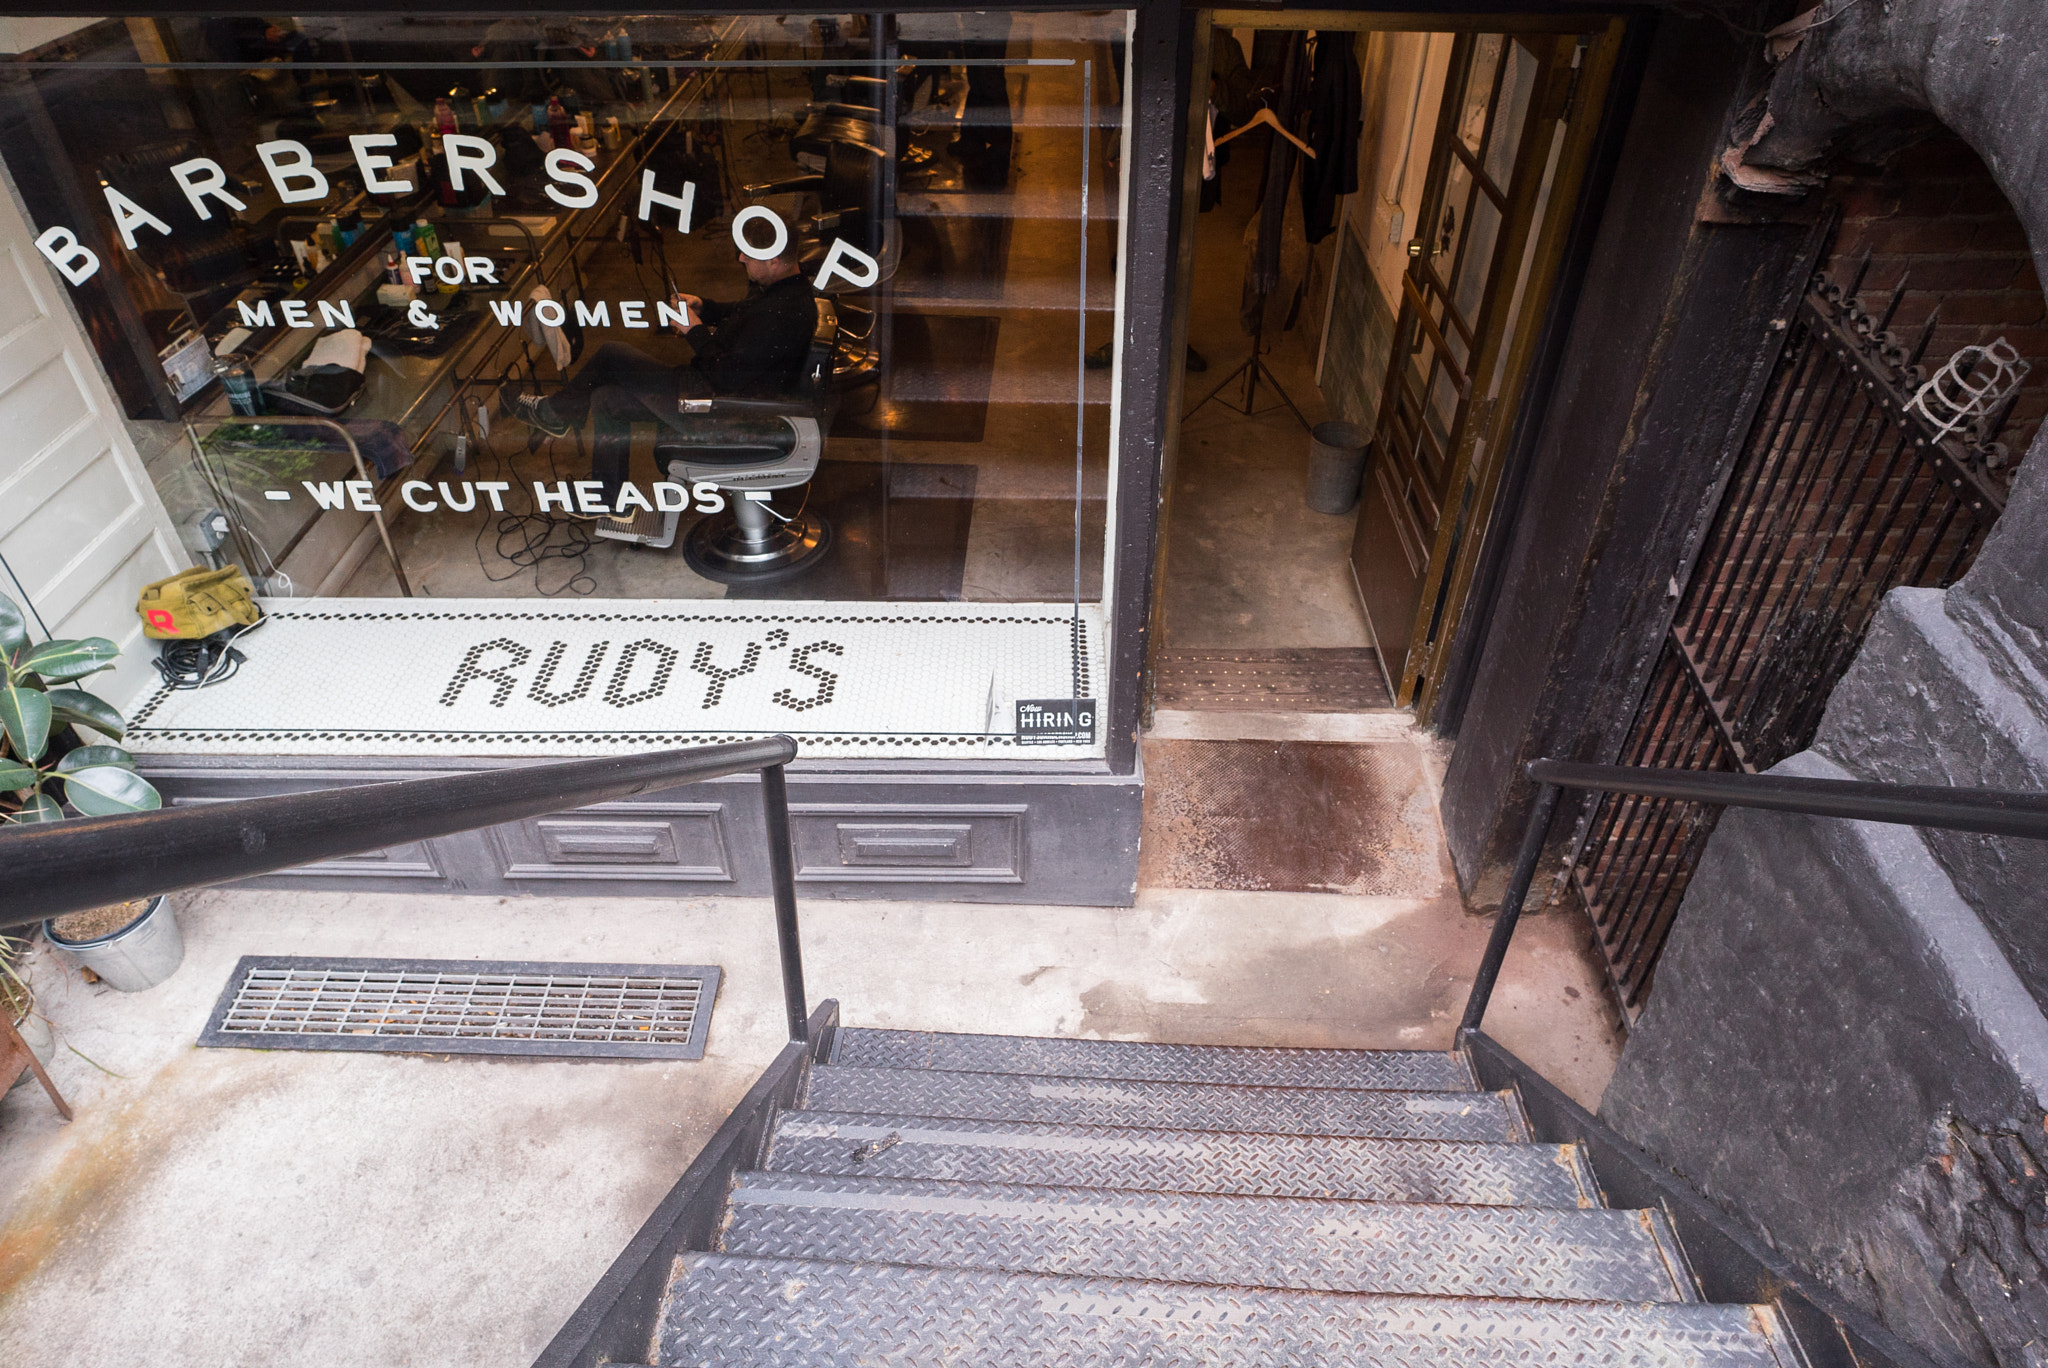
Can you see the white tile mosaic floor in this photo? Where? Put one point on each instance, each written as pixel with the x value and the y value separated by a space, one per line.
pixel 497 677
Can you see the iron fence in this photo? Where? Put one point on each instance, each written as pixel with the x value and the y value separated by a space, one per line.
pixel 1840 492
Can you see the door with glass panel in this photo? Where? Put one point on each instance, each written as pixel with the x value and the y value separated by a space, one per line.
pixel 1455 365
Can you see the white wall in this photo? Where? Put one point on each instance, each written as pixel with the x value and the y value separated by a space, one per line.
pixel 1399 166
pixel 81 528
pixel 26 35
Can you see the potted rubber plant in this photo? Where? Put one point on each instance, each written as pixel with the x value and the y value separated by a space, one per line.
pixel 129 945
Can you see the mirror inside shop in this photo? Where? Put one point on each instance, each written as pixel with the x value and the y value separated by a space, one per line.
pixel 803 307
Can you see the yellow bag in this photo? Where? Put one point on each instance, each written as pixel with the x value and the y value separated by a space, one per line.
pixel 197 603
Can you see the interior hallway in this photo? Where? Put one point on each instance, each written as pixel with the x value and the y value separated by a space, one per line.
pixel 1249 564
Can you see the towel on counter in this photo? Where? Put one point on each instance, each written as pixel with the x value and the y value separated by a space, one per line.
pixel 343 347
pixel 546 336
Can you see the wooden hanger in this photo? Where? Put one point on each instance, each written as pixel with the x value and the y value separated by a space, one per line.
pixel 1266 117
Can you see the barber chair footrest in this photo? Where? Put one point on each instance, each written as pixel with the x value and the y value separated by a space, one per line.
pixel 657 530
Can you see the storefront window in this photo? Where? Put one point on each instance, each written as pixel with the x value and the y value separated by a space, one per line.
pixel 655 340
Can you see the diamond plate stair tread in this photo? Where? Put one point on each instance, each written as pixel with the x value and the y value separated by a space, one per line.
pixel 1322 1246
pixel 1174 1106
pixel 1401 1070
pixel 726 1312
pixel 1181 1161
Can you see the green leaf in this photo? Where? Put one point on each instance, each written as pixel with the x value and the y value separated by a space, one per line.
pixel 71 659
pixel 105 790
pixel 41 808
pixel 25 713
pixel 14 777
pixel 76 705
pixel 87 756
pixel 13 627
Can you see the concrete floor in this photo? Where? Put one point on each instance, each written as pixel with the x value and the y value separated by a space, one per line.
pixel 274 1208
pixel 1248 563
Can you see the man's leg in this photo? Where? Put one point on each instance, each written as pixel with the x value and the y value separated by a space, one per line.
pixel 614 363
pixel 639 395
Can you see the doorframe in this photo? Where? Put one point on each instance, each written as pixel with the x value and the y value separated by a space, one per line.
pixel 1550 296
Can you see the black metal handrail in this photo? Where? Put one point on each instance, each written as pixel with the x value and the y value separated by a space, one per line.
pixel 52 868
pixel 1992 811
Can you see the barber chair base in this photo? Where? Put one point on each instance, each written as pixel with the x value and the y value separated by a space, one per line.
pixel 725 549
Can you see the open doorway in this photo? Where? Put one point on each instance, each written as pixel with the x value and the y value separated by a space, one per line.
pixel 1377 233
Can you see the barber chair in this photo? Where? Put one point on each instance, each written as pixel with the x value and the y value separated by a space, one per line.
pixel 753 447
pixel 851 112
pixel 849 199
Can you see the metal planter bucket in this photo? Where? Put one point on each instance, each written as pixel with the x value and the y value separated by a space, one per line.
pixel 140 955
pixel 1336 464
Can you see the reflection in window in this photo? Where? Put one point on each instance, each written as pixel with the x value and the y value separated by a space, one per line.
pixel 664 307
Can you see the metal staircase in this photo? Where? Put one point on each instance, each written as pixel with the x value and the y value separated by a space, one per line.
pixel 961 1199
pixel 906 1199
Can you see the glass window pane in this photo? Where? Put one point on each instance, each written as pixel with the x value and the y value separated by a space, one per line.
pixel 1479 87
pixel 680 308
pixel 534 206
pixel 1516 88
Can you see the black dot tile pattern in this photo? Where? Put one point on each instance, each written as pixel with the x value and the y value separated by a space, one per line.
pixel 665 657
pixel 539 680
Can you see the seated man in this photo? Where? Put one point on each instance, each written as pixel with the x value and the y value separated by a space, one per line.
pixel 752 349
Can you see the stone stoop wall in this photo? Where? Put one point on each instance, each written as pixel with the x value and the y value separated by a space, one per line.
pixel 1840 1053
pixel 1847 1046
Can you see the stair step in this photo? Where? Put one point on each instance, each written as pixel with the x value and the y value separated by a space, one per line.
pixel 1323 1246
pixel 1174 1106
pixel 1400 1070
pixel 726 1312
pixel 1181 1161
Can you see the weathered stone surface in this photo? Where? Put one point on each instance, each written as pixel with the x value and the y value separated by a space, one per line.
pixel 2003 601
pixel 1831 1023
pixel 1930 701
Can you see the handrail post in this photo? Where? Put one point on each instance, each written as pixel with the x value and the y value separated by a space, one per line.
pixel 782 878
pixel 1533 837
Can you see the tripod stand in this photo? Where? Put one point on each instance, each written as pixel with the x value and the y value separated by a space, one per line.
pixel 1253 369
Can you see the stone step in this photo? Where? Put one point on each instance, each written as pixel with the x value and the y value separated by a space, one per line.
pixel 1173 1106
pixel 726 1312
pixel 1395 1070
pixel 1280 1242
pixel 959 1150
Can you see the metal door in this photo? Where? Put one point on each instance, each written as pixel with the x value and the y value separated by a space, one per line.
pixel 1498 143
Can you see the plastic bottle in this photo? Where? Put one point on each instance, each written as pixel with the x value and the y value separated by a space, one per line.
pixel 444 116
pixel 426 241
pixel 560 126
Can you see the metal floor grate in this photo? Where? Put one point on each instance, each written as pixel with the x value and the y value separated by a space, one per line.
pixel 572 1011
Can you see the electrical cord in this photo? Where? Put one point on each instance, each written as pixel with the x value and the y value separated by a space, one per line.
pixel 526 541
pixel 196 662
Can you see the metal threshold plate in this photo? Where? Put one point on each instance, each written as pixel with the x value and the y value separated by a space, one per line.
pixel 487 1007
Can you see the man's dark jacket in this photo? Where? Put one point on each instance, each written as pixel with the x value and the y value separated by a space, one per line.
pixel 755 348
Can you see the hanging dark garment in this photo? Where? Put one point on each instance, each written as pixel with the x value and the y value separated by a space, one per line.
pixel 1335 124
pixel 1230 104
pixel 1263 274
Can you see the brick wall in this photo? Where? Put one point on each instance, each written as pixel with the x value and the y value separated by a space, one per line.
pixel 1934 217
